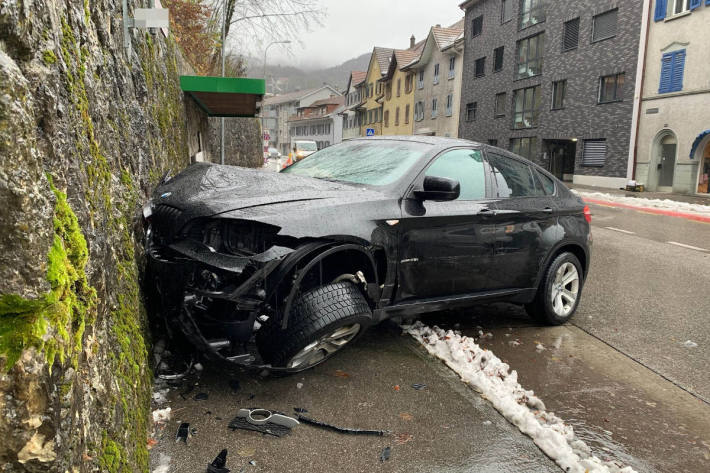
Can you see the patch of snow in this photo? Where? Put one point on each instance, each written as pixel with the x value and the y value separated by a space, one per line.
pixel 661 204
pixel 493 379
pixel 299 385
pixel 690 344
pixel 514 343
pixel 161 415
pixel 163 464
pixel 160 396
pixel 539 347
pixel 558 342
pixel 487 422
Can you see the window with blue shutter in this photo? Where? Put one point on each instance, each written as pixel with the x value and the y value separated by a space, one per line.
pixel 695 4
pixel 672 69
pixel 661 7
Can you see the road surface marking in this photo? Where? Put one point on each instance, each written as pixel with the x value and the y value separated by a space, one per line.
pixel 620 230
pixel 688 246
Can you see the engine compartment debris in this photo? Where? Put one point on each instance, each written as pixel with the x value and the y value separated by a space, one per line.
pixel 342 430
pixel 264 421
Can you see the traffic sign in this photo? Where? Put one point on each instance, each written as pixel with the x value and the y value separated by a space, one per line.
pixel 267 136
pixel 370 132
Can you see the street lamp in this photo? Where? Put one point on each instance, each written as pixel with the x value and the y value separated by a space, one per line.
pixel 263 111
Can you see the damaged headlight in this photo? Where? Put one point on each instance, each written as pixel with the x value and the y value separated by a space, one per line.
pixel 238 237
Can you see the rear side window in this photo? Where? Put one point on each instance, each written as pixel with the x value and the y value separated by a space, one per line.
pixel 548 185
pixel 513 178
pixel 464 166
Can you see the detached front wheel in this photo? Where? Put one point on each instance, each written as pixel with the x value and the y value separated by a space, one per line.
pixel 322 322
pixel 559 292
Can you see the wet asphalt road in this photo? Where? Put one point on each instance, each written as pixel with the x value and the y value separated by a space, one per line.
pixel 619 373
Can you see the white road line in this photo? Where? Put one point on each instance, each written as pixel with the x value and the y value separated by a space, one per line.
pixel 688 246
pixel 620 230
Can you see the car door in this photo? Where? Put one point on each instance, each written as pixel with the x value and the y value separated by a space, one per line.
pixel 446 248
pixel 525 222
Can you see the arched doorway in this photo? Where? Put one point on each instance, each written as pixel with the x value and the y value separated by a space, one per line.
pixel 663 158
pixel 704 169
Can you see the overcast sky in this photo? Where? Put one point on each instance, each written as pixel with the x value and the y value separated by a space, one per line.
pixel 353 27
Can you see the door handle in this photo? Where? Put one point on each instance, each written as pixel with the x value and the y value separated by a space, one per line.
pixel 487 211
pixel 547 210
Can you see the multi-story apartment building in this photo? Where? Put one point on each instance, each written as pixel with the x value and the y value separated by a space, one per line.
pixel 438 72
pixel 399 91
pixel 553 80
pixel 321 122
pixel 673 141
pixel 371 112
pixel 277 110
pixel 351 118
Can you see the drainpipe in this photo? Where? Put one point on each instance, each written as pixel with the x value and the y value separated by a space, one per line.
pixel 640 73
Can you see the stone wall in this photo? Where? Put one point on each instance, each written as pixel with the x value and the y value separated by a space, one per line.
pixel 243 143
pixel 86 131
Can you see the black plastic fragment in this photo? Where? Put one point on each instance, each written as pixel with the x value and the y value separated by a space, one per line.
pixel 251 396
pixel 188 390
pixel 219 464
pixel 234 385
pixel 418 386
pixel 342 430
pixel 266 429
pixel 385 455
pixel 300 410
pixel 183 432
pixel 201 396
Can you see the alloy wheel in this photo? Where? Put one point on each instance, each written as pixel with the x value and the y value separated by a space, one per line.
pixel 319 350
pixel 565 289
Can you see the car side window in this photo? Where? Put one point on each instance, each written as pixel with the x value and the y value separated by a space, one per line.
pixel 465 166
pixel 548 185
pixel 513 178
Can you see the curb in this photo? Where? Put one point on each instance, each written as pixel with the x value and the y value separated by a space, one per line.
pixel 669 213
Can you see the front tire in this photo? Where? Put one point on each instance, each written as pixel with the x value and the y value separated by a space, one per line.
pixel 558 296
pixel 321 323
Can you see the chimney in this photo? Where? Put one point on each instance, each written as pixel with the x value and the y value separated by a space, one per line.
pixel 412 40
pixel 438 26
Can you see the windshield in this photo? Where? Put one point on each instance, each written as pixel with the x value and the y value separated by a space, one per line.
pixel 306 146
pixel 376 163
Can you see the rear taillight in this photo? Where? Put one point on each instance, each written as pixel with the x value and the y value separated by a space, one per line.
pixel 587 214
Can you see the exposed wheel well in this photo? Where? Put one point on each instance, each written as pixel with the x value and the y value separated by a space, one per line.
pixel 577 251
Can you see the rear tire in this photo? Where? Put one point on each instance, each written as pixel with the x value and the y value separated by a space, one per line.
pixel 558 296
pixel 321 323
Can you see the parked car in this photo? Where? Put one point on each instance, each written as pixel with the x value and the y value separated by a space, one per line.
pixel 303 261
pixel 274 153
pixel 300 149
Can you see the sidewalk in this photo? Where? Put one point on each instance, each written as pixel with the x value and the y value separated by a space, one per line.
pixel 687 198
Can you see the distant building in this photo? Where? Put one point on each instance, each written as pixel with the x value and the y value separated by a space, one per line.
pixel 398 103
pixel 673 142
pixel 277 110
pixel 351 117
pixel 553 80
pixel 321 122
pixel 437 73
pixel 372 92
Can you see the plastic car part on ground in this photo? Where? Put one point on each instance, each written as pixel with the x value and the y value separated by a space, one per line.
pixel 183 432
pixel 385 455
pixel 219 464
pixel 342 430
pixel 264 421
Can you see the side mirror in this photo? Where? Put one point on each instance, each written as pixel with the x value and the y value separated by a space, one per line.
pixel 439 188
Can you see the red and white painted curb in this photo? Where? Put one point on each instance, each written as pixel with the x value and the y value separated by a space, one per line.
pixel 669 213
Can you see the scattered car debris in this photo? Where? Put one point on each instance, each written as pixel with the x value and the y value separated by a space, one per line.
pixel 690 344
pixel 419 386
pixel 341 374
pixel 406 416
pixel 201 396
pixel 252 396
pixel 219 464
pixel 514 343
pixel 539 347
pixel 198 367
pixel 402 438
pixel 264 421
pixel 188 390
pixel 342 430
pixel 160 396
pixel 177 375
pixel 246 452
pixel 299 385
pixel 252 463
pixel 385 455
pixel 183 432
pixel 300 410
pixel 161 415
pixel 396 387
pixel 234 385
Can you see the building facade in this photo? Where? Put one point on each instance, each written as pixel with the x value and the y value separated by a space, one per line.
pixel 438 74
pixel 673 141
pixel 399 91
pixel 321 122
pixel 351 118
pixel 553 81
pixel 277 110
pixel 372 92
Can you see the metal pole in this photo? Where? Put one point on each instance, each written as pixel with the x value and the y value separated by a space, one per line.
pixel 224 40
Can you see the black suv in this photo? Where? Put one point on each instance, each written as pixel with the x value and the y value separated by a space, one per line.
pixel 281 270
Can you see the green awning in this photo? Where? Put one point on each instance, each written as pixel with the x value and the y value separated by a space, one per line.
pixel 225 96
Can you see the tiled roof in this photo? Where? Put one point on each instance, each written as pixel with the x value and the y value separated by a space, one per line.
pixel 445 37
pixel 358 77
pixel 383 56
pixel 290 96
pixel 337 100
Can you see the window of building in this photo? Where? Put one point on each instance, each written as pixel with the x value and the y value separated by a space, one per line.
pixel 452 67
pixel 513 178
pixel 419 111
pixel 570 35
pixel 672 68
pixel 493 142
pixel 399 87
pixel 506 11
pixel 387 119
pixel 466 167
pixel 471 109
pixel 396 117
pixel 369 117
pixel 406 114
pixel 434 108
pixel 559 90
pixel 436 74
pixel 500 105
pixel 449 105
pixel 525 147
pixel 476 26
pixel 526 104
pixel 408 83
pixel 372 89
pixel 388 91
pixel 594 154
pixel 532 12
pixel 530 52
pixel 604 25
pixel 480 67
pixel 676 7
pixel 611 88
pixel 420 82
pixel 498 59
